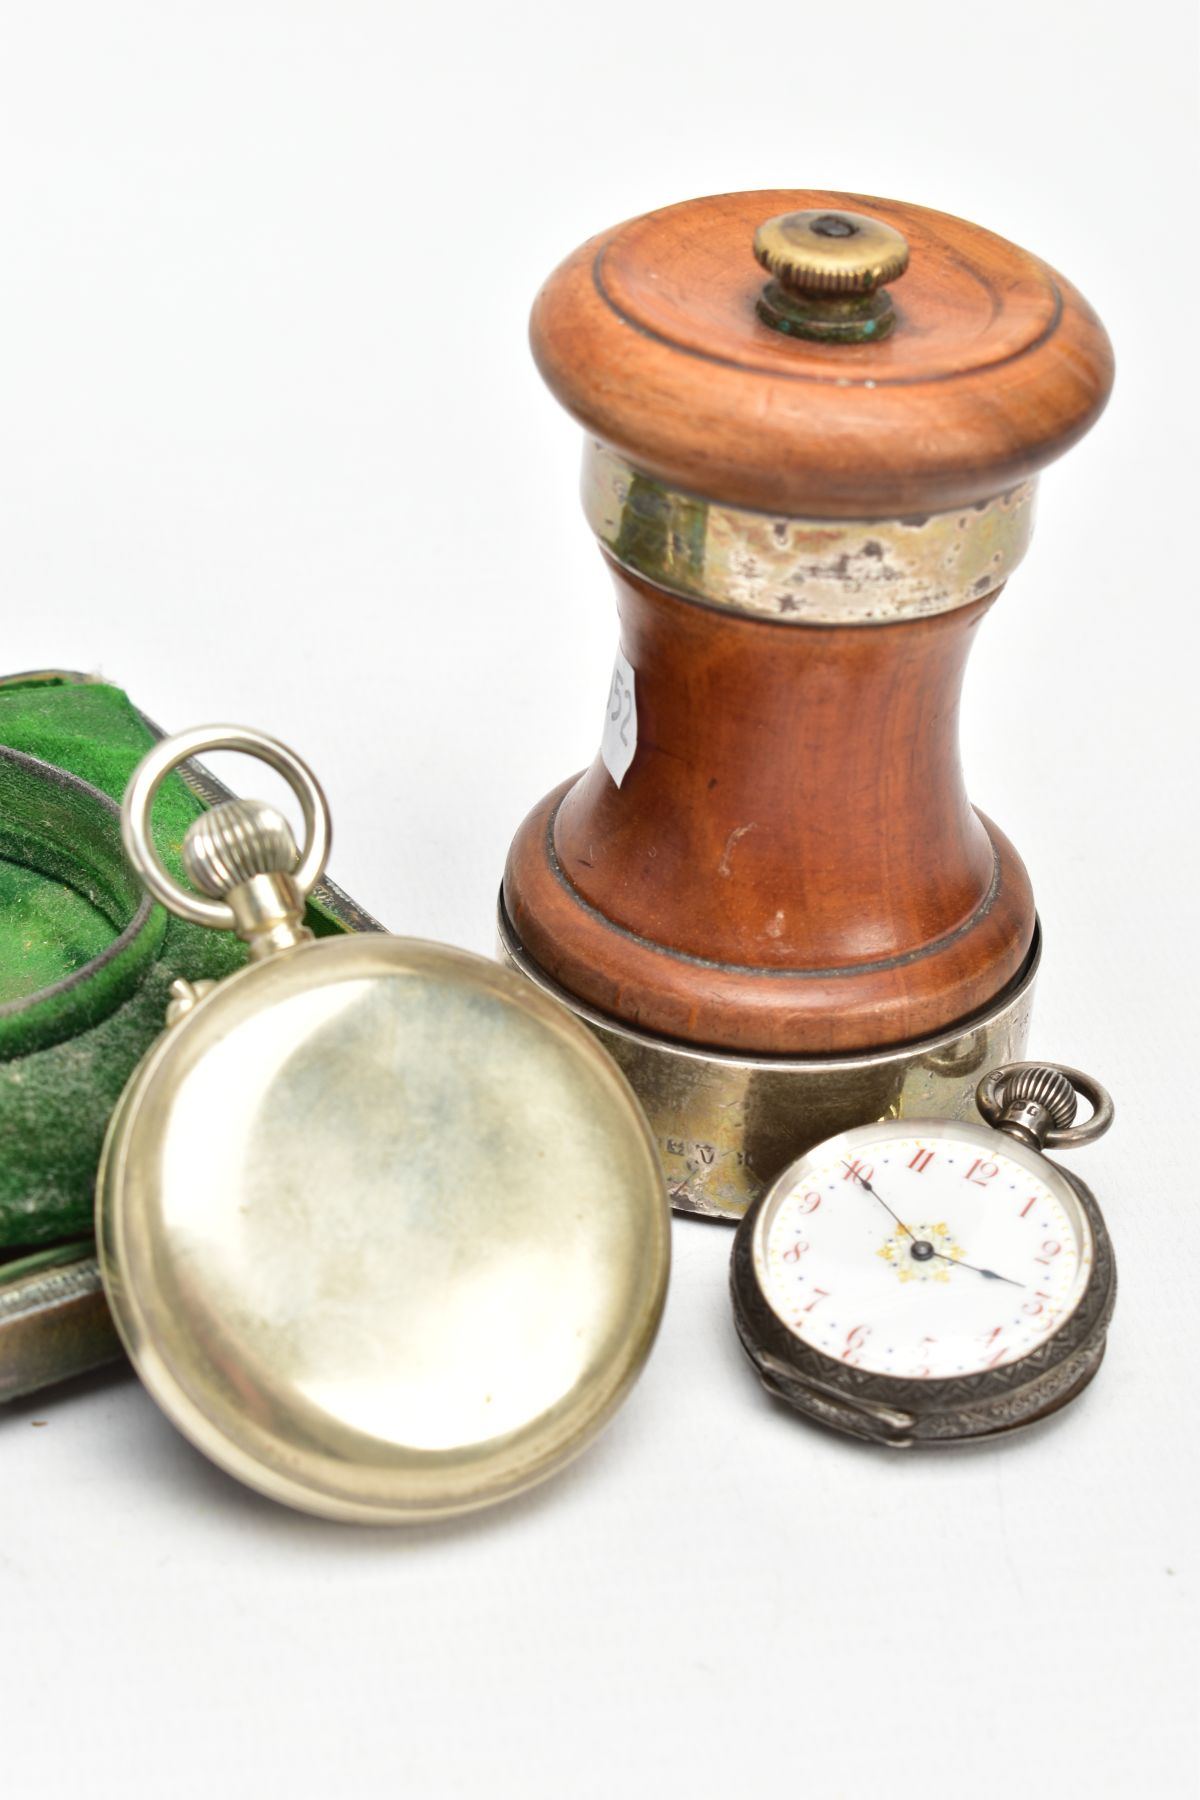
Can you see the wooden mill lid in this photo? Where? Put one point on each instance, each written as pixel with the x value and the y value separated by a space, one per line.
pixel 653 336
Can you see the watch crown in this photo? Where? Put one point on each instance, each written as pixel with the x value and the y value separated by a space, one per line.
pixel 243 852
pixel 1046 1088
pixel 234 842
pixel 1033 1101
pixel 1036 1104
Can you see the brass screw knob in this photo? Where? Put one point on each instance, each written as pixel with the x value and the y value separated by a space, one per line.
pixel 828 271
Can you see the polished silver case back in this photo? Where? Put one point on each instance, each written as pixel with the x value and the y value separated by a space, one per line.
pixel 382 1228
pixel 903 1411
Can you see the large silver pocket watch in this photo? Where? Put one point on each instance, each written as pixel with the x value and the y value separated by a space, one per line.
pixel 933 1282
pixel 382 1228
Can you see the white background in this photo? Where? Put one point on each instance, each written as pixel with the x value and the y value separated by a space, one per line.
pixel 272 449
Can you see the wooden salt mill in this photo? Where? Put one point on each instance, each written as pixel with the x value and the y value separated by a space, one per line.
pixel 770 895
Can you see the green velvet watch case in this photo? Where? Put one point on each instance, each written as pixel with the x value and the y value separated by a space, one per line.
pixel 86 961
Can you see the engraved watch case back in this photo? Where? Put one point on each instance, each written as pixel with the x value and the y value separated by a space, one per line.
pixel 382 1228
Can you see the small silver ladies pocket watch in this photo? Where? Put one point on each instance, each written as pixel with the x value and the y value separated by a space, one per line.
pixel 926 1281
pixel 382 1228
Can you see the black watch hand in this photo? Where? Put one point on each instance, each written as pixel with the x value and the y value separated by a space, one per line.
pixel 862 1178
pixel 990 1273
pixel 922 1248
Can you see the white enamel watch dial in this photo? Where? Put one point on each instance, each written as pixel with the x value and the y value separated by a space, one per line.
pixel 933 1281
pixel 931 1254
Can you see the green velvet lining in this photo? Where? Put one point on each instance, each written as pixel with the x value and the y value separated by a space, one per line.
pixel 65 884
pixel 45 932
pixel 68 1059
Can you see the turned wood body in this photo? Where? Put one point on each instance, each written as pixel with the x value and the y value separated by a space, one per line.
pixel 649 336
pixel 792 860
pixel 791 864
